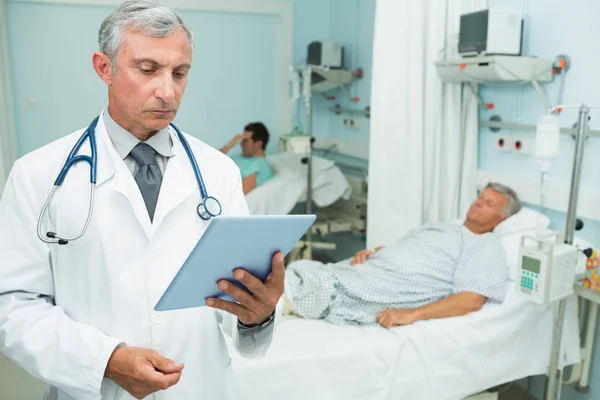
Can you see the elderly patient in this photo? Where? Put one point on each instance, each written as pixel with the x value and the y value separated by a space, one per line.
pixel 438 270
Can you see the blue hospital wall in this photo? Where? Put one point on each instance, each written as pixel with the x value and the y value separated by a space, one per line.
pixel 56 90
pixel 312 21
pixel 553 27
pixel 353 24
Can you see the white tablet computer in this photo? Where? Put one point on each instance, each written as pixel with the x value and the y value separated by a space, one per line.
pixel 229 243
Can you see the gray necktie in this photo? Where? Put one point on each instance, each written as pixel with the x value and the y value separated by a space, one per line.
pixel 148 176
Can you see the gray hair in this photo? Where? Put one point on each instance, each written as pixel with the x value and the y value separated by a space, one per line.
pixel 514 204
pixel 150 18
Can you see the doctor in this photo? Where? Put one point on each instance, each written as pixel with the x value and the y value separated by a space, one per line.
pixel 80 316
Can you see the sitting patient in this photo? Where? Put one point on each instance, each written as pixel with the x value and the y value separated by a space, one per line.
pixel 438 270
pixel 253 165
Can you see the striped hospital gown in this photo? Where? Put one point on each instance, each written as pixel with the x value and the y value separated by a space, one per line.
pixel 430 263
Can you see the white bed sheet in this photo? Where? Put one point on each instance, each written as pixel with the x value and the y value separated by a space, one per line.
pixel 439 359
pixel 279 195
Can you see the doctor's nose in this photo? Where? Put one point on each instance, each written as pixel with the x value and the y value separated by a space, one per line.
pixel 165 90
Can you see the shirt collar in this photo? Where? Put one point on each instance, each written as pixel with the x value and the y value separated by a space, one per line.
pixel 124 141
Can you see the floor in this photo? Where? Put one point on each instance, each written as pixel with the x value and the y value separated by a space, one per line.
pixel 15 384
pixel 515 392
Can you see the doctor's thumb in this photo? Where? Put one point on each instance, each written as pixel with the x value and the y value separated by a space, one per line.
pixel 166 365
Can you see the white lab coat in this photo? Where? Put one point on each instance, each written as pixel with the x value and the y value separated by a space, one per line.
pixel 105 284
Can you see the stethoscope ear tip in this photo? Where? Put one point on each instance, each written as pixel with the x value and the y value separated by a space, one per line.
pixel 52 235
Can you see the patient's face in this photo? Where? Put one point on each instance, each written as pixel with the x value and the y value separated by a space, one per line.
pixel 488 209
pixel 250 147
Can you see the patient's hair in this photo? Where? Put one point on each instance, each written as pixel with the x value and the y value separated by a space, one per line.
pixel 259 132
pixel 146 16
pixel 514 204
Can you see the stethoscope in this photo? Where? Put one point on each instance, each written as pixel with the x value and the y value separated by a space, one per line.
pixel 209 206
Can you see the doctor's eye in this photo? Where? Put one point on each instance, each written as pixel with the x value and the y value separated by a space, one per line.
pixel 147 71
pixel 180 75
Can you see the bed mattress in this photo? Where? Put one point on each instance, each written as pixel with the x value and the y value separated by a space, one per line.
pixel 279 195
pixel 448 358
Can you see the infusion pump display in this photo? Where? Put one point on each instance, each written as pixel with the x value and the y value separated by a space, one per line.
pixel 530 274
pixel 546 269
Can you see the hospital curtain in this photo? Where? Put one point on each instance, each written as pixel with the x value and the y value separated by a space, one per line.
pixel 7 130
pixel 423 140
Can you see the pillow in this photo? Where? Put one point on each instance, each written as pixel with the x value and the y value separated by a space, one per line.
pixel 526 219
pixel 511 244
pixel 510 231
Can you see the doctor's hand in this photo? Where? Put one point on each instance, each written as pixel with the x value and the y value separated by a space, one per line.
pixel 142 372
pixel 255 308
pixel 361 257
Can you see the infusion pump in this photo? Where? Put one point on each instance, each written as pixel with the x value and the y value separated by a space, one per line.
pixel 546 268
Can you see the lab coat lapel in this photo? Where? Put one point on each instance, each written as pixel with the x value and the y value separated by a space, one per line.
pixel 105 167
pixel 110 165
pixel 178 183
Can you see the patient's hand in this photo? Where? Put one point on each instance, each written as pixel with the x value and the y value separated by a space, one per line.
pixel 236 139
pixel 361 257
pixel 395 317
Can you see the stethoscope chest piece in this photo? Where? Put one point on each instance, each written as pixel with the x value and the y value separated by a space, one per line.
pixel 210 207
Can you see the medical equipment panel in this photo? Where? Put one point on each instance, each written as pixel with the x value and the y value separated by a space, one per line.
pixel 495 69
pixel 325 54
pixel 294 143
pixel 492 31
pixel 546 269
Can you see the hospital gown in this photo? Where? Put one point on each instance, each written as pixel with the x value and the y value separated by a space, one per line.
pixel 430 263
pixel 254 165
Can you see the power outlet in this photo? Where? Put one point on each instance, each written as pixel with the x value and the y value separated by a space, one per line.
pixel 351 123
pixel 505 143
pixel 522 145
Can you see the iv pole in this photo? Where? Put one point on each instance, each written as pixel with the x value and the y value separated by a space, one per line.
pixel 554 383
pixel 307 97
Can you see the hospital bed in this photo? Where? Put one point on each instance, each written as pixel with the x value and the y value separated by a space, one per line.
pixel 444 359
pixel 339 198
pixel 279 195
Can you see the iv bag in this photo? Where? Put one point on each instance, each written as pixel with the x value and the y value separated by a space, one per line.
pixel 547 140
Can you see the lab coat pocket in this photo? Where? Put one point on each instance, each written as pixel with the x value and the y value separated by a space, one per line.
pixel 224 326
pixel 224 356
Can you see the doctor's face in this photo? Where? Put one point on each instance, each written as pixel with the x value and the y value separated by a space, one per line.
pixel 146 88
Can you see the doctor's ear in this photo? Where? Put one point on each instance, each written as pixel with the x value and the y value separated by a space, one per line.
pixel 103 67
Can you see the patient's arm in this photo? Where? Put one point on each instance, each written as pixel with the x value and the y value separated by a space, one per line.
pixel 236 139
pixel 453 306
pixel 249 183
